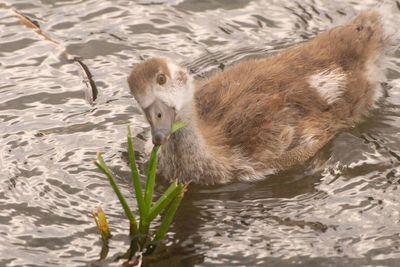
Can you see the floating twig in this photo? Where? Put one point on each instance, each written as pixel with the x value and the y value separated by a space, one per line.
pixel 91 89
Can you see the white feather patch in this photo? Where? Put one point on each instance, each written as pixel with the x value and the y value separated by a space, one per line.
pixel 308 139
pixel 175 92
pixel 330 84
pixel 173 69
pixel 145 100
pixel 390 18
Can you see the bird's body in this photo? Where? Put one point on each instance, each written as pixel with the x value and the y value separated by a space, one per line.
pixel 264 115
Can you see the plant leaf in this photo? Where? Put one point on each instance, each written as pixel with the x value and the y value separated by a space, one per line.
pixel 166 222
pixel 103 167
pixel 169 195
pixel 102 224
pixel 135 176
pixel 151 176
pixel 178 125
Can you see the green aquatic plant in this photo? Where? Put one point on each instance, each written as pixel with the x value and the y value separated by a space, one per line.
pixel 169 201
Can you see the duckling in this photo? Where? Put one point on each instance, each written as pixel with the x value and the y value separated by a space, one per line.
pixel 261 116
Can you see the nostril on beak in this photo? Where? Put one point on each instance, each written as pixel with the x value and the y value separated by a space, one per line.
pixel 159 137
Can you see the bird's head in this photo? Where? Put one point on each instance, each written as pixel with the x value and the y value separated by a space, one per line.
pixel 162 88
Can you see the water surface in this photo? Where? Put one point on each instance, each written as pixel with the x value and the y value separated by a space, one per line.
pixel 341 208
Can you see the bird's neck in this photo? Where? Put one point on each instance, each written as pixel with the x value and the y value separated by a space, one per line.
pixel 184 148
pixel 186 113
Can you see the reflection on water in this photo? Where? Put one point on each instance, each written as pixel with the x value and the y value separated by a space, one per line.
pixel 341 208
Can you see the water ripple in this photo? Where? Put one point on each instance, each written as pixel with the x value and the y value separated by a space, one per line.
pixel 341 208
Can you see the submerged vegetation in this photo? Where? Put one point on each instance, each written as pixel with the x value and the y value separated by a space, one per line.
pixel 169 201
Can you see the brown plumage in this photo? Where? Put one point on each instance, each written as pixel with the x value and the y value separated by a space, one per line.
pixel 264 115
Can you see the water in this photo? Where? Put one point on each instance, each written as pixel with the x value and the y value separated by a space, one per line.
pixel 341 208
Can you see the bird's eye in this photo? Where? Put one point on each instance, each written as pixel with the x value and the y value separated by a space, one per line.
pixel 161 79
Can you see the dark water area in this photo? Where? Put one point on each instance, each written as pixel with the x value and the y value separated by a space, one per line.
pixel 341 208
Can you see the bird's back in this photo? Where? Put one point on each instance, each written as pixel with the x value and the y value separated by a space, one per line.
pixel 281 109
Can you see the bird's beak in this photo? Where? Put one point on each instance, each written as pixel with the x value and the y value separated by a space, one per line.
pixel 161 118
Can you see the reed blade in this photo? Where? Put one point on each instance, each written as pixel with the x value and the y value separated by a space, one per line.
pixel 151 176
pixel 166 222
pixel 135 177
pixel 103 167
pixel 169 195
